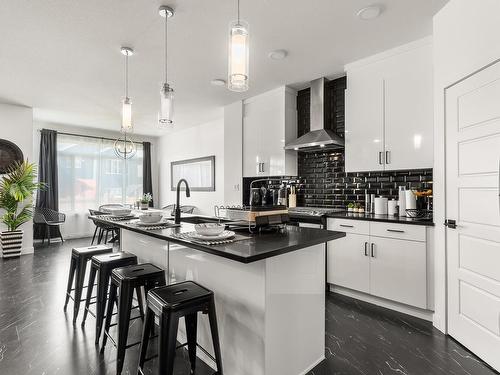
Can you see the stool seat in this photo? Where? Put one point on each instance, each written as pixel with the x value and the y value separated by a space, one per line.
pixel 136 272
pixel 90 251
pixel 80 256
pixel 114 258
pixel 177 295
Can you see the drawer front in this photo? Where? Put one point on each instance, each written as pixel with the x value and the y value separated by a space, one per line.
pixel 398 231
pixel 349 226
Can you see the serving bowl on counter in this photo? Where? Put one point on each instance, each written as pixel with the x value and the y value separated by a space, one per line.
pixel 119 211
pixel 209 229
pixel 151 218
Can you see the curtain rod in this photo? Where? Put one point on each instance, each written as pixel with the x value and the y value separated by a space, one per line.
pixel 86 136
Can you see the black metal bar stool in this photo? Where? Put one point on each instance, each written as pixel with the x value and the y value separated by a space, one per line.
pixel 79 258
pixel 123 282
pixel 102 265
pixel 169 304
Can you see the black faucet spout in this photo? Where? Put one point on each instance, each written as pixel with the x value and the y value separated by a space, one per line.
pixel 177 205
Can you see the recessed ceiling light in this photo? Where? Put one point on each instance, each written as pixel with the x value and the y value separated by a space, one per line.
pixel 278 54
pixel 369 13
pixel 218 82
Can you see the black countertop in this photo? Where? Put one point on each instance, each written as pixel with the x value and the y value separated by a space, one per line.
pixel 255 247
pixel 381 218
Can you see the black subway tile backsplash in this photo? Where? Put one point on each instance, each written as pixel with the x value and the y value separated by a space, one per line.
pixel 323 182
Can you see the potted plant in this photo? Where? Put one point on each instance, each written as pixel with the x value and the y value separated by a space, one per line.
pixel 145 200
pixel 16 195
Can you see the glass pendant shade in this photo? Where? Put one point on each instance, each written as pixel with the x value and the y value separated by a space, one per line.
pixel 127 125
pixel 238 57
pixel 166 105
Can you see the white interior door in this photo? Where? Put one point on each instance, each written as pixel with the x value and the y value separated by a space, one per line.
pixel 472 199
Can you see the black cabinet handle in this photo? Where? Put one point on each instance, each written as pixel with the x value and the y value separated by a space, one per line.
pixel 366 249
pixel 380 154
pixel 372 250
pixel 395 230
pixel 346 226
pixel 387 157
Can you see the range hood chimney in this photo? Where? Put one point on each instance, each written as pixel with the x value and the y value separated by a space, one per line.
pixel 318 138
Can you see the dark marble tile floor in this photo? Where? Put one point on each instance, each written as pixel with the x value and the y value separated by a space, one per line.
pixel 37 337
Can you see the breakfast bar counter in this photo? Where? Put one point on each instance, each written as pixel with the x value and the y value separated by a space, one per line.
pixel 269 291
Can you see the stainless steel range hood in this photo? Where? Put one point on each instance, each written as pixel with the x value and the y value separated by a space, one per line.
pixel 318 138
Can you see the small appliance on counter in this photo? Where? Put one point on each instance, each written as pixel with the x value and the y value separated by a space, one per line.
pixel 380 206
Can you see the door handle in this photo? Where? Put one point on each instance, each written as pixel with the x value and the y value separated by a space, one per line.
pixel 366 249
pixel 452 224
pixel 262 167
pixel 380 156
pixel 387 157
pixel 395 230
pixel 372 250
pixel 346 226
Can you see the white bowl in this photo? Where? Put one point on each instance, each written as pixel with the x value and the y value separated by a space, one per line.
pixel 151 218
pixel 119 211
pixel 209 229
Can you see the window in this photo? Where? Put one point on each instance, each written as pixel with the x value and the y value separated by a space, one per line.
pixel 90 174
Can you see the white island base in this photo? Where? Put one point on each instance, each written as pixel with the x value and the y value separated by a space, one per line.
pixel 271 313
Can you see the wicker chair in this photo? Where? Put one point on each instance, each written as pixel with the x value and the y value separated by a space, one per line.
pixel 48 218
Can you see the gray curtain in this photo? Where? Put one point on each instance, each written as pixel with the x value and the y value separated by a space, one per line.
pixel 147 182
pixel 47 173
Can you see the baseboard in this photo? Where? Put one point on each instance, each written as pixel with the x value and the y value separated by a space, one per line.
pixel 400 307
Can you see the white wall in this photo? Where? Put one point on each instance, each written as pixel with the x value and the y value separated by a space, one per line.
pixel 203 140
pixel 466 38
pixel 77 224
pixel 17 127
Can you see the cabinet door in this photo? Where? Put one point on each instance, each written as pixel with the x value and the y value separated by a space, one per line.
pixel 272 122
pixel 409 110
pixel 364 132
pixel 398 271
pixel 348 266
pixel 252 134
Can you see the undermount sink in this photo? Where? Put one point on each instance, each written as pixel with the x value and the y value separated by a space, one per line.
pixel 201 220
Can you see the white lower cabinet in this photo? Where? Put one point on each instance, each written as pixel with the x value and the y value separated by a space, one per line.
pixel 387 267
pixel 348 266
pixel 398 271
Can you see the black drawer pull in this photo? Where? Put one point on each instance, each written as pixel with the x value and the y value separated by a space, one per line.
pixel 366 249
pixel 347 226
pixel 395 230
pixel 373 250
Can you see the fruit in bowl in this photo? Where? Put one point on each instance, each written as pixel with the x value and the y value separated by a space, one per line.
pixel 209 229
pixel 151 218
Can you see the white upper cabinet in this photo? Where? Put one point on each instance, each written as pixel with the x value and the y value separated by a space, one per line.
pixel 269 121
pixel 364 134
pixel 389 110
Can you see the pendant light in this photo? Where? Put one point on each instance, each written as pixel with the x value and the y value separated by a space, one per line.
pixel 165 116
pixel 124 147
pixel 127 125
pixel 238 55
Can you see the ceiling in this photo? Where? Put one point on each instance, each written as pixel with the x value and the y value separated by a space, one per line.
pixel 62 57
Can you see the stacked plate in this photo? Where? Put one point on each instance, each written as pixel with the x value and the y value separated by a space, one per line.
pixel 211 232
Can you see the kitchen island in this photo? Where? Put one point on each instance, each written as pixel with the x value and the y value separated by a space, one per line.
pixel 269 291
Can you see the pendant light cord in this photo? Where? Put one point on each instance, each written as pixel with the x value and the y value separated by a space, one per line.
pixel 126 75
pixel 166 50
pixel 238 12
